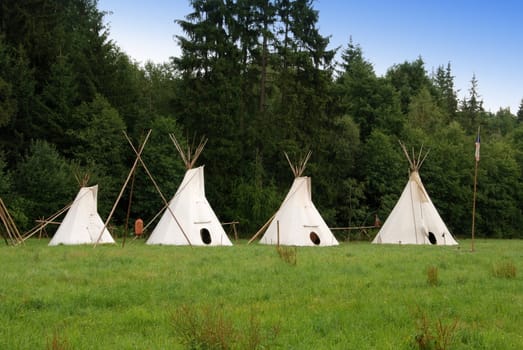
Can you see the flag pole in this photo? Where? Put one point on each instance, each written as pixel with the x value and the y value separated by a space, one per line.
pixel 478 143
pixel 474 205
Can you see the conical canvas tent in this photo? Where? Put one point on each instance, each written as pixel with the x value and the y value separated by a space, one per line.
pixel 189 218
pixel 82 224
pixel 414 219
pixel 297 222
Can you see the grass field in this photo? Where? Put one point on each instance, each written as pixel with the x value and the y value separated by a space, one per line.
pixel 354 296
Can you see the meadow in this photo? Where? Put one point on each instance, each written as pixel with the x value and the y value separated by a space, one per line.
pixel 353 296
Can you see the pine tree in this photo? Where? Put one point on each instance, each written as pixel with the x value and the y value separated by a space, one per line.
pixel 471 108
pixel 519 115
pixel 446 96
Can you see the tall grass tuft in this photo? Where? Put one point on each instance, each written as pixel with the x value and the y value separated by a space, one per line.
pixel 58 343
pixel 258 337
pixel 288 254
pixel 434 335
pixel 209 328
pixel 204 328
pixel 504 269
pixel 432 276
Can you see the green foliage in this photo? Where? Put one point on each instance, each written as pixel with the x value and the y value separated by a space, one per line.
pixel 445 92
pixel 59 96
pixel 500 123
pixel 19 103
pixel 126 88
pixel 471 107
pixel 5 179
pixel 515 139
pixel 382 164
pixel 424 113
pixel 99 147
pixel 519 114
pixel 256 198
pixel 7 103
pixel 447 173
pixel 44 180
pixel 256 78
pixel 100 140
pixel 369 100
pixel 499 193
pixel 336 191
pixel 408 79
pixel 164 164
pixel 159 87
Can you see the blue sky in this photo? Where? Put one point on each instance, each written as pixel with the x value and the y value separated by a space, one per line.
pixel 478 37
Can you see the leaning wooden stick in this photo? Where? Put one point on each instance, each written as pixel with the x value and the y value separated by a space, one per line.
pixel 158 190
pixel 123 187
pixel 45 222
pixel 261 229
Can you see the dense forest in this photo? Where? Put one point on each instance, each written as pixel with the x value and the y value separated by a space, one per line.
pixel 257 78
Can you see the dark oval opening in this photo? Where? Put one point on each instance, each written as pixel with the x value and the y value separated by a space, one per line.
pixel 314 238
pixel 432 238
pixel 205 235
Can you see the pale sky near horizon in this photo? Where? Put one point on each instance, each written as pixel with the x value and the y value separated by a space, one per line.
pixel 478 37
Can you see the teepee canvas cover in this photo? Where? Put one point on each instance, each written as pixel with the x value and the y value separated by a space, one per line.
pixel 82 223
pixel 414 219
pixel 189 218
pixel 297 222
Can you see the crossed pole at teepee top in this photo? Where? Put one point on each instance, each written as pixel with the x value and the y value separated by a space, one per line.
pixel 133 168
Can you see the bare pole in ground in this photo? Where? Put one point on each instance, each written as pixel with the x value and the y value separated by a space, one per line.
pixel 478 142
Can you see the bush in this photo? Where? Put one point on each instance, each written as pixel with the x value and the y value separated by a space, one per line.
pixel 44 180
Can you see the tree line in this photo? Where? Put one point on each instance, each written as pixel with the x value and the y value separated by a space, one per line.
pixel 257 78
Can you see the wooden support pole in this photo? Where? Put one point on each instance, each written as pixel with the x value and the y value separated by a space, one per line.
pixel 476 156
pixel 9 224
pixel 126 231
pixel 45 222
pixel 124 186
pixel 2 217
pixel 158 190
pixel 272 217
pixel 474 206
pixel 278 232
pixel 154 218
pixel 233 227
pixel 262 228
pixel 48 222
pixel 166 205
pixel 349 228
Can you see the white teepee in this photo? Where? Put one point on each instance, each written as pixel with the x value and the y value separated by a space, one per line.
pixel 189 218
pixel 82 223
pixel 297 222
pixel 414 219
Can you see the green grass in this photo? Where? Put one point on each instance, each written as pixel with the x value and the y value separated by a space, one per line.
pixel 354 296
